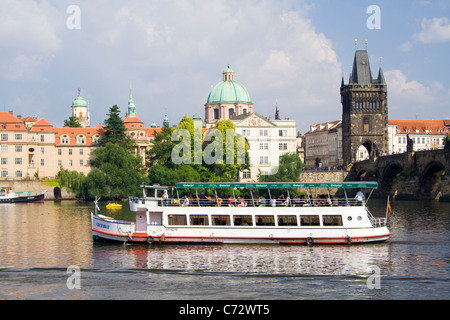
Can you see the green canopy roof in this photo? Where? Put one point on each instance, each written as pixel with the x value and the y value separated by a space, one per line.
pixel 218 185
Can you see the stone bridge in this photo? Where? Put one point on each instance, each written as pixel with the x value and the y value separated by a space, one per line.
pixel 415 175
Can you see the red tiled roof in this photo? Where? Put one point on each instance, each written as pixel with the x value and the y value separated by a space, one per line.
pixel 9 122
pixel 421 126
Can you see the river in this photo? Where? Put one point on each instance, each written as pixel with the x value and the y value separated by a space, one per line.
pixel 40 241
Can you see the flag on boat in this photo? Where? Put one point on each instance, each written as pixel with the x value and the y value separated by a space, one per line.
pixel 389 209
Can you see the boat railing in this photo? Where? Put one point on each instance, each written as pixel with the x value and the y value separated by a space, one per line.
pixel 249 202
pixel 377 222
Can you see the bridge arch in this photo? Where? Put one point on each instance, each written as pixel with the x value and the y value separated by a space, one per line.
pixel 390 172
pixel 430 182
pixel 372 150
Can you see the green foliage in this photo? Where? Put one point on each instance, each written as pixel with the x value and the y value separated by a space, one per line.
pixel 72 122
pixel 115 130
pixel 122 172
pixel 289 170
pixel 193 168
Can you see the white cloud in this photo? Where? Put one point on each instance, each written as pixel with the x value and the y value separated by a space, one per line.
pixel 409 98
pixel 434 30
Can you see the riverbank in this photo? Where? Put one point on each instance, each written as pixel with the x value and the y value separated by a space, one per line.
pixel 52 192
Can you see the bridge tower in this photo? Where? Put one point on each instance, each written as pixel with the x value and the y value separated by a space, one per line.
pixel 364 110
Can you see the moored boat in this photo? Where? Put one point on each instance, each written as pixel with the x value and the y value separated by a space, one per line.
pixel 280 220
pixel 18 197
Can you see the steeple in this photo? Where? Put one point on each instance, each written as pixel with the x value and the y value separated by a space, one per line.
pixel 361 73
pixel 277 112
pixel 131 107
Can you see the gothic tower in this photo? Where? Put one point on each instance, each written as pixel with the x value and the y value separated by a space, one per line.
pixel 364 110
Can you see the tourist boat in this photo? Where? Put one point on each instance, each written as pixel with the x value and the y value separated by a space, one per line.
pixel 15 197
pixel 112 206
pixel 320 220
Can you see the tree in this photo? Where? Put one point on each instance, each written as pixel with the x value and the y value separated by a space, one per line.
pixel 115 130
pixel 289 169
pixel 123 172
pixel 72 122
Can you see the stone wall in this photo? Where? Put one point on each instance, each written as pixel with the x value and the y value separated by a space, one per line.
pixel 36 187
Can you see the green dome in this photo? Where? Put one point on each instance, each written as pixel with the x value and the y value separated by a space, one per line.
pixel 79 102
pixel 229 91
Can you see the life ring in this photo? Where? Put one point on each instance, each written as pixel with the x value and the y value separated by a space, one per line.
pixel 150 240
pixel 309 241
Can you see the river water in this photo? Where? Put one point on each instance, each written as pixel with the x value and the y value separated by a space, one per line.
pixel 38 243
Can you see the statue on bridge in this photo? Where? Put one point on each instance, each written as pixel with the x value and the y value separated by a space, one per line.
pixel 410 144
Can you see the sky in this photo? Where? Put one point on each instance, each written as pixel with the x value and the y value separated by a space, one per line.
pixel 287 53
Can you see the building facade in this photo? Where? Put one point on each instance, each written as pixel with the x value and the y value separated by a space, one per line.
pixel 31 148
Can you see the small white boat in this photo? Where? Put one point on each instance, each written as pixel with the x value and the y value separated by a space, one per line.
pixel 281 221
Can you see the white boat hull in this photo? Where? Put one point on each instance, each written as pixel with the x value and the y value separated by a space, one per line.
pixel 358 230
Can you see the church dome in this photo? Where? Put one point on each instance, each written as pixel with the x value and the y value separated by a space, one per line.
pixel 79 102
pixel 229 91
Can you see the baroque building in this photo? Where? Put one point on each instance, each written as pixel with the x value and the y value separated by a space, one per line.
pixel 364 111
pixel 268 138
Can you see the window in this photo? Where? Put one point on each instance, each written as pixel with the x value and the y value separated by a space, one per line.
pixel 59 163
pixel 220 220
pixel 81 163
pixel 263 133
pixel 282 133
pixel 42 150
pixel 70 152
pixel 199 220
pixel 65 139
pixel 18 136
pixel 4 137
pixel 4 148
pixel 246 174
pixel 42 138
pixel 332 220
pixel 245 133
pixel 70 163
pixel 18 161
pixel 263 160
pixel 18 148
pixel 283 146
pixel 42 162
pixel 263 146
pixel 230 113
pixel 359 105
pixel 309 221
pixel 287 220
pixel 366 124
pixel 81 152
pixel 373 105
pixel 4 173
pixel 59 152
pixel 242 220
pixel 81 140
pixel 4 161
pixel 177 220
pixel 18 174
pixel 265 220
pixel 216 114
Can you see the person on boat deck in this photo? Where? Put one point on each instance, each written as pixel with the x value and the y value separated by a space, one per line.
pixel 230 201
pixel 219 201
pixel 273 201
pixel 359 197
pixel 202 198
pixel 262 201
pixel 286 202
pixel 186 201
pixel 242 202
pixel 165 199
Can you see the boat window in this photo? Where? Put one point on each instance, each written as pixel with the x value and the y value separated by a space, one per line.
pixel 242 220
pixel 265 220
pixel 332 220
pixel 177 220
pixel 309 221
pixel 220 220
pixel 199 220
pixel 287 220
